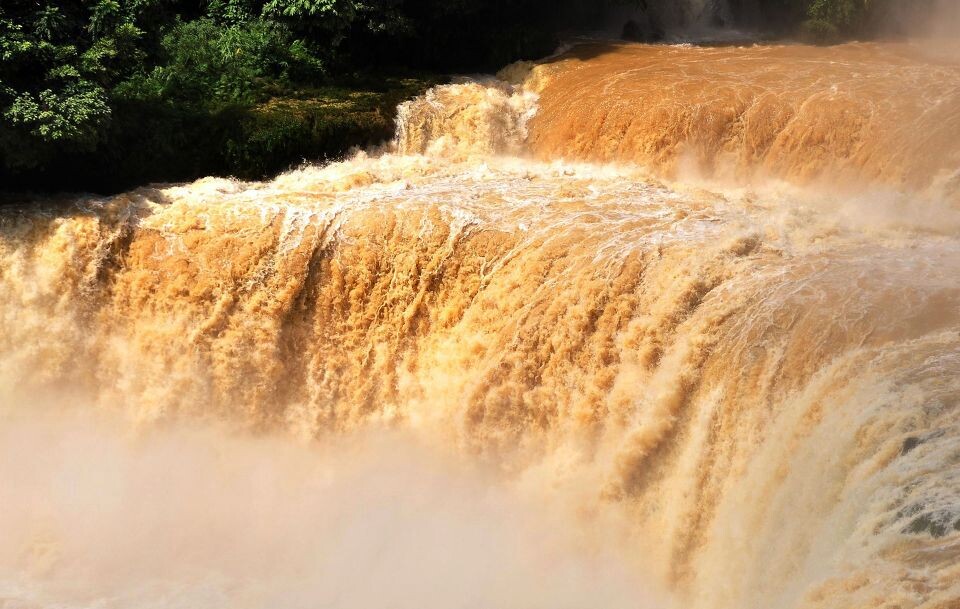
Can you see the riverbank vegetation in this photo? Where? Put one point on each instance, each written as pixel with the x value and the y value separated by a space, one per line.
pixel 106 94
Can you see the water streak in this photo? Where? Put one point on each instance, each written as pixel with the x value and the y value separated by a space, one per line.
pixel 762 393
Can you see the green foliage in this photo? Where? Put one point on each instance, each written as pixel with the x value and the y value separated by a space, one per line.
pixel 71 69
pixel 841 14
pixel 60 61
pixel 819 31
pixel 72 113
pixel 205 63
pixel 232 12
pixel 68 64
pixel 150 142
pixel 47 98
pixel 332 16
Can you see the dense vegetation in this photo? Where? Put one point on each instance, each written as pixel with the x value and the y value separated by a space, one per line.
pixel 104 94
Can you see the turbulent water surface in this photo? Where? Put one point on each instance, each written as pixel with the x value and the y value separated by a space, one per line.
pixel 636 326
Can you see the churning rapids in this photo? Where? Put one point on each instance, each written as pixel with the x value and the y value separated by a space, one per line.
pixel 637 326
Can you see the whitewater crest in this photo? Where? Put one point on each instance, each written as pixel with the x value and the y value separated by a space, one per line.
pixel 471 118
pixel 759 395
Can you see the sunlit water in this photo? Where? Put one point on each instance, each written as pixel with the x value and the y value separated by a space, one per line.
pixel 635 327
